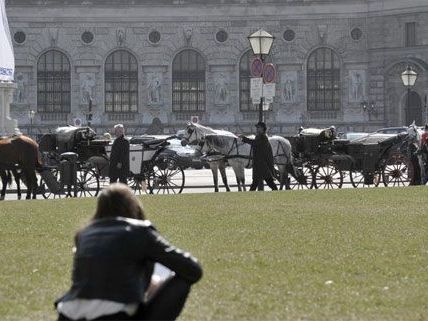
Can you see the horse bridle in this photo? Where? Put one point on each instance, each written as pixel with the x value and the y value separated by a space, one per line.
pixel 190 132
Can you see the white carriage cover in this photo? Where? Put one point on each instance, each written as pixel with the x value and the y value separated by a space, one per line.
pixel 7 59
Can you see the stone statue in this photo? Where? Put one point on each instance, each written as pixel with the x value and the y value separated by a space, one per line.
pixel 20 95
pixel 221 90
pixel 357 80
pixel 154 90
pixel 87 87
pixel 290 87
pixel 120 37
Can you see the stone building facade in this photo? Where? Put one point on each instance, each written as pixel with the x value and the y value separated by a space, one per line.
pixel 338 63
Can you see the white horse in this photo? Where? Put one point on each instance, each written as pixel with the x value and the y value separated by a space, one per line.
pixel 415 137
pixel 239 154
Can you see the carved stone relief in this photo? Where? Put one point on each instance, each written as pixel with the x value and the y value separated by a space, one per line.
pixel 221 90
pixel 53 36
pixel 20 95
pixel 154 89
pixel 289 87
pixel 87 87
pixel 120 36
pixel 357 86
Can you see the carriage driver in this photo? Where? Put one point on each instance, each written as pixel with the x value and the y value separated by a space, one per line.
pixel 119 157
pixel 262 158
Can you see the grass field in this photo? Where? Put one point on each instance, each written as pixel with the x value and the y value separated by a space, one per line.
pixel 301 255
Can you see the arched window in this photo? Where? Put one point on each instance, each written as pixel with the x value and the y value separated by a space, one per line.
pixel 188 82
pixel 245 103
pixel 323 80
pixel 53 83
pixel 121 82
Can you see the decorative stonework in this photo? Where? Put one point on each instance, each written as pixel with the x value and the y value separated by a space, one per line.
pixel 357 86
pixel 20 95
pixel 221 90
pixel 87 88
pixel 120 37
pixel 154 88
pixel 289 87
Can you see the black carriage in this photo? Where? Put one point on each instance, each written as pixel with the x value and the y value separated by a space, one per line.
pixel 68 166
pixel 367 161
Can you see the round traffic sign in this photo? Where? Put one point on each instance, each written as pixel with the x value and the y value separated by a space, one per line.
pixel 269 73
pixel 256 67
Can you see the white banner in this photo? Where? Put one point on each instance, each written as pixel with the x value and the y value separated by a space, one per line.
pixel 7 60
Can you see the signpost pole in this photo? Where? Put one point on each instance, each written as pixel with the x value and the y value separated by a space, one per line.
pixel 261 99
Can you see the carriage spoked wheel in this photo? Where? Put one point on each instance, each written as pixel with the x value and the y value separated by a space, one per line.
pixel 44 189
pixel 398 171
pixel 328 177
pixel 167 179
pixel 308 175
pixel 359 181
pixel 138 184
pixel 88 183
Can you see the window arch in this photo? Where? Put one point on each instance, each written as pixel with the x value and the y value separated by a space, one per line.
pixel 121 82
pixel 323 80
pixel 53 83
pixel 188 82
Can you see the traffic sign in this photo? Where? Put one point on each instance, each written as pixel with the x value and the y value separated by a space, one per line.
pixel 269 73
pixel 256 67
pixel 269 91
pixel 194 119
pixel 256 89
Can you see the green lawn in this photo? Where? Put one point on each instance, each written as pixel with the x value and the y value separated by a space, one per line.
pixel 300 255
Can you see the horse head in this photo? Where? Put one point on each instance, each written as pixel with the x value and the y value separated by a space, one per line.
pixel 194 133
pixel 414 134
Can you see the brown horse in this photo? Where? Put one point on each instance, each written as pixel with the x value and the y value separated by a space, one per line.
pixel 23 152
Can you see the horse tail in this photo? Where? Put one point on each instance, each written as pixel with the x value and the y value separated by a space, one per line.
pixel 39 162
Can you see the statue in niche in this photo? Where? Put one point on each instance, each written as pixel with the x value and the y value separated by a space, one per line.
pixel 20 95
pixel 357 84
pixel 154 90
pixel 120 37
pixel 221 90
pixel 289 92
pixel 87 87
pixel 53 36
pixel 188 35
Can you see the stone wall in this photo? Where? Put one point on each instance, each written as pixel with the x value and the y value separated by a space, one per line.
pixel 370 59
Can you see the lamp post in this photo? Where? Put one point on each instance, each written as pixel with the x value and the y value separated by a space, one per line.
pixel 31 114
pixel 408 77
pixel 261 43
pixel 89 114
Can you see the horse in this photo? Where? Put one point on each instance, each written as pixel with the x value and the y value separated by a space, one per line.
pixel 238 154
pixel 216 164
pixel 414 136
pixel 21 152
pixel 6 178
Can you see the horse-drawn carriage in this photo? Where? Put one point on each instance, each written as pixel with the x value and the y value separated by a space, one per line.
pixel 77 163
pixel 367 161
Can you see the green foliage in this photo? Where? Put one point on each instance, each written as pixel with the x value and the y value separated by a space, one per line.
pixel 299 255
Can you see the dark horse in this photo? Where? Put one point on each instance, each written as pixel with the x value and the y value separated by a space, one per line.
pixel 20 152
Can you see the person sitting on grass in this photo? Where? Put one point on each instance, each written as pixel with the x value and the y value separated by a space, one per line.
pixel 113 265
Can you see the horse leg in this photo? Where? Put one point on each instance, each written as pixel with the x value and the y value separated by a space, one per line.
pixel 222 168
pixel 240 176
pixel 4 180
pixel 16 174
pixel 214 170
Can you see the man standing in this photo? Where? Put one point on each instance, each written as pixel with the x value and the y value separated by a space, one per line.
pixel 119 157
pixel 262 158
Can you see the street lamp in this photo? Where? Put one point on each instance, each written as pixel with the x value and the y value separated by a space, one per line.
pixel 408 77
pixel 31 114
pixel 261 43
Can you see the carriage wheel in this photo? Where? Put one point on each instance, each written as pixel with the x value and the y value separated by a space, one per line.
pixel 398 171
pixel 44 189
pixel 357 179
pixel 328 177
pixel 88 183
pixel 308 173
pixel 138 185
pixel 166 180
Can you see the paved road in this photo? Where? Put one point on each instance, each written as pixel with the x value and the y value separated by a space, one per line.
pixel 201 181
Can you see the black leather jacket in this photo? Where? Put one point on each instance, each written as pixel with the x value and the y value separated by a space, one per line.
pixel 114 260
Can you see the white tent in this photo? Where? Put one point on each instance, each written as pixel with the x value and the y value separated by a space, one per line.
pixel 7 60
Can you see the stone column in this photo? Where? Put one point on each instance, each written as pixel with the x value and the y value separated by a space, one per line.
pixel 8 126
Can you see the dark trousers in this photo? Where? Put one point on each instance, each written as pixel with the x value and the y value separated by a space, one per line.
pixel 258 183
pixel 122 179
pixel 166 304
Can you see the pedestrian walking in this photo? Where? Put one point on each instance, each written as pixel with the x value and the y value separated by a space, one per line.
pixel 119 157
pixel 262 158
pixel 113 266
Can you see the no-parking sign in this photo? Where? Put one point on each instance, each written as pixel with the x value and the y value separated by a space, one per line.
pixel 269 73
pixel 256 67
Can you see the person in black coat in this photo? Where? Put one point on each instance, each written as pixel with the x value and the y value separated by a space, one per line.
pixel 113 266
pixel 119 157
pixel 262 158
